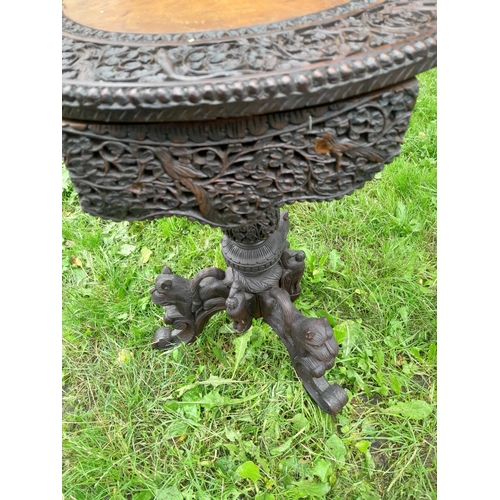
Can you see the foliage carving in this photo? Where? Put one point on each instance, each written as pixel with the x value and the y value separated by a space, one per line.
pixel 233 173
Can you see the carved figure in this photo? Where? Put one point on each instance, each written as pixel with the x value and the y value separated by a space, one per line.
pixel 240 306
pixel 312 338
pixel 188 303
pixel 293 270
pixel 172 289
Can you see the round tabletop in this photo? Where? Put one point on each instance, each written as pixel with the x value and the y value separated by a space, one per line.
pixel 171 16
pixel 163 61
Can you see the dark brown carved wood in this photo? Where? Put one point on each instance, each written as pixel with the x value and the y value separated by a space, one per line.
pixel 226 123
pixel 230 173
pixel 262 280
pixel 314 59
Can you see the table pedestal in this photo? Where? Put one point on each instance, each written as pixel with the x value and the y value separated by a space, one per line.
pixel 262 280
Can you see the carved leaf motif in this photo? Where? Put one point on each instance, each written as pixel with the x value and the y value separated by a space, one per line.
pixel 266 51
pixel 111 151
pixel 236 184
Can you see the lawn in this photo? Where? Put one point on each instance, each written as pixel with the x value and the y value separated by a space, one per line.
pixel 226 417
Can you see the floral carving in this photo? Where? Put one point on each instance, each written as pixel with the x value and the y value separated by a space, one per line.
pixel 338 38
pixel 245 169
pixel 296 63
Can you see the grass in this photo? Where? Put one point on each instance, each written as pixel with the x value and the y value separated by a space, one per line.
pixel 204 422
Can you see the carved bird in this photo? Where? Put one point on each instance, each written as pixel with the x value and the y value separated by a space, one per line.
pixel 180 171
pixel 185 174
pixel 329 144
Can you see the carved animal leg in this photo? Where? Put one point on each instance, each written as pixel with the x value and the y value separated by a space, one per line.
pixel 188 304
pixel 262 280
pixel 311 345
pixel 268 269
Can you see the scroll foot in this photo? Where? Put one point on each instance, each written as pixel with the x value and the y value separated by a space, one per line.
pixel 162 339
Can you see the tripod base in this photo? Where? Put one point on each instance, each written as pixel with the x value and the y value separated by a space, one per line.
pixel 262 280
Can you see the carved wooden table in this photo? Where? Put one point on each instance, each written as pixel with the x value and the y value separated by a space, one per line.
pixel 224 114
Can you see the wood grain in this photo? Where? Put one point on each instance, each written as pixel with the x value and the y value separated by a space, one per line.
pixel 172 16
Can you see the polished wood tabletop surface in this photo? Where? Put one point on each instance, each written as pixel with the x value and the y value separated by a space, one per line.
pixel 160 16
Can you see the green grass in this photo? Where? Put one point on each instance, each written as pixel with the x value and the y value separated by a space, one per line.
pixel 194 423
